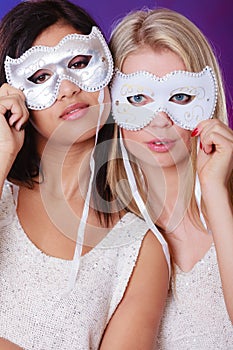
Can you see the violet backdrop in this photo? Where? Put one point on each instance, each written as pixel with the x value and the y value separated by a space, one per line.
pixel 213 17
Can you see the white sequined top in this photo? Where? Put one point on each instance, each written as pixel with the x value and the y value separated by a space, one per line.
pixel 195 316
pixel 34 312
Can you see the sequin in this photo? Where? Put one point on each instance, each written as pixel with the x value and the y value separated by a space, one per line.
pixel 195 316
pixel 34 311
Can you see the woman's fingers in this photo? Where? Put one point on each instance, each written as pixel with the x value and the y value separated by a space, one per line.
pixel 13 116
pixel 214 135
pixel 215 159
pixel 12 106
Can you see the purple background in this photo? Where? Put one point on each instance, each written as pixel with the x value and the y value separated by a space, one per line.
pixel 213 17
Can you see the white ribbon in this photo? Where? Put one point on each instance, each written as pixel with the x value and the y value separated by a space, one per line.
pixel 83 221
pixel 141 205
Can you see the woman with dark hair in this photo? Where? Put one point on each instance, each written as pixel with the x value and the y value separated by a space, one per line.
pixel 73 270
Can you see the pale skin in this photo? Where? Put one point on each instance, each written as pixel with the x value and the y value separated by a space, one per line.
pixel 39 218
pixel 172 168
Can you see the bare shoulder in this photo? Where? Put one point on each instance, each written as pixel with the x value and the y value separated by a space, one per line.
pixel 152 249
pixel 151 267
pixel 149 282
pixel 142 306
pixel 7 345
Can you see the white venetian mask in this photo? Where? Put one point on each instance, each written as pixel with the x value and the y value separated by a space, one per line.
pixel 61 63
pixel 186 97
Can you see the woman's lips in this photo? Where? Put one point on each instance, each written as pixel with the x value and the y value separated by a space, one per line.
pixel 75 111
pixel 161 145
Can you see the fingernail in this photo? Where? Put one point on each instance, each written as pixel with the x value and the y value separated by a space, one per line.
pixel 194 132
pixel 201 147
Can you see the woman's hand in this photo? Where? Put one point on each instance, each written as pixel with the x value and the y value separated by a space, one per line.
pixel 215 157
pixel 215 164
pixel 13 116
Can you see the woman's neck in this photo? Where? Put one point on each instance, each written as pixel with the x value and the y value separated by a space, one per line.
pixel 169 193
pixel 65 169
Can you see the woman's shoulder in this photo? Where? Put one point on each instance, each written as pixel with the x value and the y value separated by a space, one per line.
pixel 128 230
pixel 133 232
pixel 147 280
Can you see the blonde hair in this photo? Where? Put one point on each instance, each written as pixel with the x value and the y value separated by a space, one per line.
pixel 163 28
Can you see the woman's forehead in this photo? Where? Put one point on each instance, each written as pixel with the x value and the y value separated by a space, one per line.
pixel 157 62
pixel 52 35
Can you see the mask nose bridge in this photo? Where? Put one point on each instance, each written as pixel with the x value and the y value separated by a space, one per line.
pixel 160 97
pixel 64 74
pixel 160 104
pixel 66 87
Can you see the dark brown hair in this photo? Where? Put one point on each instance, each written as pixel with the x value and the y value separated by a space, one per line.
pixel 18 30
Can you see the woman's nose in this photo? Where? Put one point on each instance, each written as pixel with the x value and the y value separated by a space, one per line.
pixel 67 89
pixel 161 120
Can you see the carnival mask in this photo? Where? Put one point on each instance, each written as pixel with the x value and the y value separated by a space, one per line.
pixel 186 97
pixel 84 60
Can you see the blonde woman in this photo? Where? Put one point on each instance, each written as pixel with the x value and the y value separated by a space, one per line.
pixel 169 104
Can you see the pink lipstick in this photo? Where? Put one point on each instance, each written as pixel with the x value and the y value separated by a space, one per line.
pixel 75 111
pixel 160 145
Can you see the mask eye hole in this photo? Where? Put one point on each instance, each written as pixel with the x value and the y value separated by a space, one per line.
pixel 79 62
pixel 181 99
pixel 139 100
pixel 40 76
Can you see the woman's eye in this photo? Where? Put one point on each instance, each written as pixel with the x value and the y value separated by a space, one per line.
pixel 139 100
pixel 79 62
pixel 181 99
pixel 40 77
